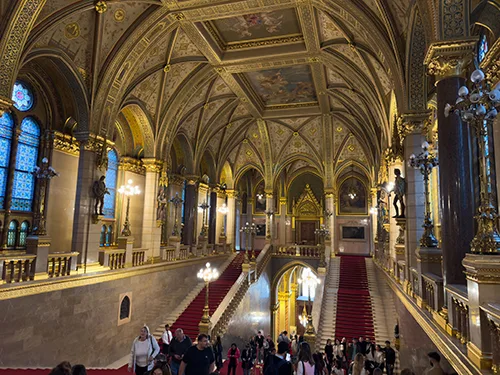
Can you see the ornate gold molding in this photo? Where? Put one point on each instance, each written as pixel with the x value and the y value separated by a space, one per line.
pixel 152 165
pixel 413 123
pixel 101 7
pixel 491 63
pixel 176 179
pixel 483 269
pixel 5 105
pixel 66 143
pixel 448 59
pixel 131 165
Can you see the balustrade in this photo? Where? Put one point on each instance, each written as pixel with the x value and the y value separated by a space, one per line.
pixel 18 268
pixel 309 251
pixel 60 264
pixel 183 253
pixel 460 314
pixel 138 257
pixel 495 345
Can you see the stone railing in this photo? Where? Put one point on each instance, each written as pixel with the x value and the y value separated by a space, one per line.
pixel 432 291
pixel 17 268
pixel 168 253
pixel 61 264
pixel 138 257
pixel 183 252
pixel 222 316
pixel 310 251
pixel 460 316
pixel 415 282
pixel 112 258
pixel 492 313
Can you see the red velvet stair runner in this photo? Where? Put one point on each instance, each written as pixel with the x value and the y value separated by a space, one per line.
pixel 354 309
pixel 190 318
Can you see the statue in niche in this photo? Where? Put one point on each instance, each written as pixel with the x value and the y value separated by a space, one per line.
pixel 161 209
pixel 100 190
pixel 399 194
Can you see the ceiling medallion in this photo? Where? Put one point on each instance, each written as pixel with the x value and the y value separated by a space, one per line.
pixel 295 134
pixel 249 153
pixel 351 148
pixel 245 140
pixel 119 15
pixel 255 135
pixel 229 125
pixel 72 30
pixel 101 7
pixel 166 68
pixel 339 129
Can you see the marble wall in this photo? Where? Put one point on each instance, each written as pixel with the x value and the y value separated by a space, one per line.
pixel 80 324
pixel 359 247
pixel 60 212
pixel 253 313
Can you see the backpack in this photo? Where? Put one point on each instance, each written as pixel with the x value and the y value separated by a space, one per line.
pixel 274 366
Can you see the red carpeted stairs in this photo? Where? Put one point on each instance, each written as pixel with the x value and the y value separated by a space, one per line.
pixel 38 371
pixel 190 318
pixel 354 308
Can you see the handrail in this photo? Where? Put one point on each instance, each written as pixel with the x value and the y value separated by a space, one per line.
pixel 17 267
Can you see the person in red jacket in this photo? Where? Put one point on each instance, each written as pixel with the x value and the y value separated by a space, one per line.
pixel 233 354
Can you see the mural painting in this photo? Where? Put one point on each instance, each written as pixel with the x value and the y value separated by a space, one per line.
pixel 288 85
pixel 352 197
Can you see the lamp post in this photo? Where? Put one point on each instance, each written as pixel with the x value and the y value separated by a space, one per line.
pixel 43 174
pixel 425 161
pixel 250 230
pixel 309 280
pixel 207 274
pixel 479 107
pixel 204 227
pixel 322 232
pixel 223 210
pixel 176 201
pixel 128 190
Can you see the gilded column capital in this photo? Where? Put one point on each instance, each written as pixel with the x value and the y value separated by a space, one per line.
pixel 66 143
pixel 483 269
pixel 283 200
pixel 202 187
pixel 414 123
pixel 131 165
pixel 176 179
pixel 5 105
pixel 152 165
pixel 450 58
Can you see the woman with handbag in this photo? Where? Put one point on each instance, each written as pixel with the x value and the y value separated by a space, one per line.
pixel 144 349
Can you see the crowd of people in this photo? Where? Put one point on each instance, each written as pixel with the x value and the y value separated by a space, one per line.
pixel 178 355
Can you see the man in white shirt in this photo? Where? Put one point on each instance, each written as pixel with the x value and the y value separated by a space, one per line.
pixel 166 338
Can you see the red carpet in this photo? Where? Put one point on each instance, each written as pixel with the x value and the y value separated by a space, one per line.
pixel 239 370
pixel 354 309
pixel 190 318
pixel 121 371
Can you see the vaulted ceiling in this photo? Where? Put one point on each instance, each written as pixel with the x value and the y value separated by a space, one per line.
pixel 272 84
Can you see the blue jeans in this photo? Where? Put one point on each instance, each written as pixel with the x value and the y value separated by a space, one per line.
pixel 174 367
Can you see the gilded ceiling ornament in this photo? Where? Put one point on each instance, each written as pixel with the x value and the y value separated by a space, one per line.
pixel 229 126
pixel 179 16
pixel 249 153
pixel 314 59
pixel 166 68
pixel 295 134
pixel 245 140
pixel 339 129
pixel 101 7
pixel 119 15
pixel 255 135
pixel 352 45
pixel 280 131
pixel 72 30
pixel 351 148
pixel 297 144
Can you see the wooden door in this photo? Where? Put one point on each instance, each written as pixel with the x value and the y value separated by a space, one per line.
pixel 307 236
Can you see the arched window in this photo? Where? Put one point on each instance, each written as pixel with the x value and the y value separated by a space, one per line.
pixel 102 240
pixel 22 97
pixel 111 175
pixel 26 160
pixel 25 227
pixel 109 235
pixel 482 47
pixel 12 233
pixel 125 308
pixel 6 126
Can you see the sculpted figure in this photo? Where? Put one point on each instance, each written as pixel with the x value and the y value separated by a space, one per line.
pixel 161 210
pixel 99 189
pixel 399 194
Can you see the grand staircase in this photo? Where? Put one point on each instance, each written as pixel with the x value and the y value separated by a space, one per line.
pixel 326 328
pixel 354 306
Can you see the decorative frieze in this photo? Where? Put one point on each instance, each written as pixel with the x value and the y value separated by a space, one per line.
pixel 152 165
pixel 66 143
pixel 131 165
pixel 447 59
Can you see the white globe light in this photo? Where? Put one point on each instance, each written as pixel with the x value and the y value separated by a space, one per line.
pixel 477 76
pixel 475 97
pixel 463 91
pixel 481 110
pixel 492 113
pixel 459 100
pixel 468 116
pixel 495 95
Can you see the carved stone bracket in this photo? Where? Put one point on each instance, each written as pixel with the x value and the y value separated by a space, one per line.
pixel 450 58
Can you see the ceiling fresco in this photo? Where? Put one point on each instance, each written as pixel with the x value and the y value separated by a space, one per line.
pixel 257 26
pixel 287 85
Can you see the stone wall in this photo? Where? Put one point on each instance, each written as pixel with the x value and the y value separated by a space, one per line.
pixel 81 324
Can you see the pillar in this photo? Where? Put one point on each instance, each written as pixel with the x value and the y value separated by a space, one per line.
pixel 201 217
pixel 220 227
pixel 269 218
pixel 393 227
pixel 151 230
pixel 447 62
pixel 86 229
pixel 231 218
pixel 212 218
pixel 190 212
pixel 330 223
pixel 282 230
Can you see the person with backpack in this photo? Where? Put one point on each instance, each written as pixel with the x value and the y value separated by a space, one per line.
pixel 305 364
pixel 277 364
pixel 144 349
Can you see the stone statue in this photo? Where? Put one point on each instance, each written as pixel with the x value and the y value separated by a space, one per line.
pixel 99 189
pixel 161 209
pixel 399 193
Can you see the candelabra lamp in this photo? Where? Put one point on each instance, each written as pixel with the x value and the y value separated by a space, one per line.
pixel 207 274
pixel 425 162
pixel 250 231
pixel 309 281
pixel 224 211
pixel 43 174
pixel 204 227
pixel 322 232
pixel 269 214
pixel 478 106
pixel 128 191
pixel 176 201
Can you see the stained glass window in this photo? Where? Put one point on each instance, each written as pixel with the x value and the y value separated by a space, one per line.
pixel 111 175
pixel 22 97
pixel 6 126
pixel 483 48
pixel 12 233
pixel 26 160
pixel 25 226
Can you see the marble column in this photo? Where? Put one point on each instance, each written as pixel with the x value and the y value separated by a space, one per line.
pixel 151 230
pixel 282 239
pixel 201 217
pixel 86 228
pixel 190 212
pixel 220 228
pixel 231 218
pixel 212 218
pixel 269 218
pixel 330 223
